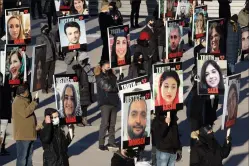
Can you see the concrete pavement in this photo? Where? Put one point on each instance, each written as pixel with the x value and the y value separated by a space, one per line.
pixel 84 148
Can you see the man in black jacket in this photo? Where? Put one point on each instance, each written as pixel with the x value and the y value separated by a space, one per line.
pixel 168 145
pixel 108 101
pixel 55 139
pixel 105 21
pixel 207 151
pixel 135 7
pixel 48 38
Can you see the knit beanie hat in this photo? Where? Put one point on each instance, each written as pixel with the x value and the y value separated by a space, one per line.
pixel 205 129
pixel 144 36
pixel 44 26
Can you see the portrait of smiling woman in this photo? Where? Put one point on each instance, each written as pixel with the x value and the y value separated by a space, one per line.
pixel 232 102
pixel 120 51
pixel 14 28
pixel 16 65
pixel 215 37
pixel 211 75
pixel 79 7
pixel 168 89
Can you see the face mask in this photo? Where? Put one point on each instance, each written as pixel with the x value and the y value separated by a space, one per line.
pixel 56 121
pixel 46 31
pixel 108 72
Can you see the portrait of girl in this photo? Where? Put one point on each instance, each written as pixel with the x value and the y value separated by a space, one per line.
pixel 211 76
pixel 168 89
pixel 16 65
pixel 120 54
pixel 79 7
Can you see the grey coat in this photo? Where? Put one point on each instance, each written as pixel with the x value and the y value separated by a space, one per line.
pixel 70 61
pixel 43 39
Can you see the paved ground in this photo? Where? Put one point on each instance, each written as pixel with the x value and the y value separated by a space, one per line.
pixel 83 149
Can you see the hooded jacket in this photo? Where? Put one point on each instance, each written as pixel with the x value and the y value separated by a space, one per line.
pixel 243 17
pixel 166 137
pixel 55 145
pixel 107 88
pixel 208 152
pixel 160 31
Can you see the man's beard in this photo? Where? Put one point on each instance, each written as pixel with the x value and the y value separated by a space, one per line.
pixel 132 135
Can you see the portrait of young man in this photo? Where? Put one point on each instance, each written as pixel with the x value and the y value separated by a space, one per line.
pixel 137 119
pixel 72 31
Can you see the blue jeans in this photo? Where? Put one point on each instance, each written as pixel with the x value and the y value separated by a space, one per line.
pixel 24 153
pixel 165 159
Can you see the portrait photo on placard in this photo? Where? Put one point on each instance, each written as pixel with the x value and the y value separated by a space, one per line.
pixel 245 39
pixel 18 26
pixel 15 64
pixel 38 63
pixel 231 101
pixel 168 87
pixel 79 7
pixel 200 22
pixel 135 125
pixel 119 45
pixel 171 8
pixel 72 31
pixel 174 39
pixel 67 95
pixel 65 5
pixel 183 9
pixel 2 64
pixel 1 8
pixel 211 70
pixel 215 36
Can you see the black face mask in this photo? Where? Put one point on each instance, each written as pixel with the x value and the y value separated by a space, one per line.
pixel 46 31
pixel 108 72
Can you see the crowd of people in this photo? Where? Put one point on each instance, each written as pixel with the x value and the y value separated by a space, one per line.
pixel 154 46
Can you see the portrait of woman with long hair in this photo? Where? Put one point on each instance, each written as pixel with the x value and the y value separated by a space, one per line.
pixel 232 102
pixel 16 64
pixel 215 37
pixel 211 76
pixel 200 24
pixel 79 7
pixel 168 89
pixel 15 28
pixel 120 51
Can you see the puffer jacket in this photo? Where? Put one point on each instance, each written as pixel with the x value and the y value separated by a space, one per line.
pixel 107 89
pixel 203 154
pixel 85 95
pixel 55 145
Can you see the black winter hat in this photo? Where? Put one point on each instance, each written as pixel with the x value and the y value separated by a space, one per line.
pixel 49 111
pixel 21 89
pixel 205 129
pixel 102 62
pixel 44 26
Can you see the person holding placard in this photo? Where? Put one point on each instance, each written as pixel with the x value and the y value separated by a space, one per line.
pixel 207 151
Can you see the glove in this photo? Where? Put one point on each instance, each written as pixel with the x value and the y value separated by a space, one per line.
pixel 178 155
pixel 36 100
pixel 121 76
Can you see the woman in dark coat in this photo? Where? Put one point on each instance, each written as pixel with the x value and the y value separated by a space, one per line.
pixel 54 140
pixel 224 9
pixel 84 86
pixel 50 11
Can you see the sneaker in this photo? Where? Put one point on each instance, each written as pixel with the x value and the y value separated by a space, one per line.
pixel 103 148
pixel 111 146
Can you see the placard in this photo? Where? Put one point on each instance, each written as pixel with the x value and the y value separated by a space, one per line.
pixel 1 7
pixel 168 87
pixel 38 63
pixel 65 6
pixel 184 11
pixel 79 7
pixel 231 101
pixel 245 39
pixel 67 95
pixel 215 37
pixel 171 8
pixel 16 72
pixel 72 31
pixel 174 39
pixel 2 63
pixel 200 22
pixel 135 127
pixel 18 26
pixel 211 69
pixel 119 45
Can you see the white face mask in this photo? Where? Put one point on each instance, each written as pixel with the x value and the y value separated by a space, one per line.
pixel 56 121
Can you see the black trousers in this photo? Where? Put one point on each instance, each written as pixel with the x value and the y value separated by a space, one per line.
pixel 108 122
pixel 105 50
pixel 84 110
pixel 39 7
pixel 49 16
pixel 135 7
pixel 48 73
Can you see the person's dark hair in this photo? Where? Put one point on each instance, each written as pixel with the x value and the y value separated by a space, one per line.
pixel 103 62
pixel 218 29
pixel 71 24
pixel 21 89
pixel 167 74
pixel 114 55
pixel 72 8
pixel 203 82
pixel 49 111
pixel 74 94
